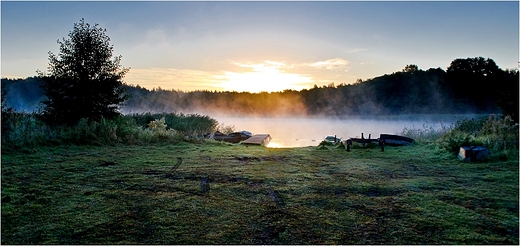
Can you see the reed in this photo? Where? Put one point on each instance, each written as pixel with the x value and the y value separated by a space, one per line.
pixel 27 130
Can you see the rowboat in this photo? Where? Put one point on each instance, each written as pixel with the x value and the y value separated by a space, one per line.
pixel 395 140
pixel 384 139
pixel 234 137
pixel 332 139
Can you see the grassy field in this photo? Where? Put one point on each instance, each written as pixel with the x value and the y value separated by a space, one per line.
pixel 138 195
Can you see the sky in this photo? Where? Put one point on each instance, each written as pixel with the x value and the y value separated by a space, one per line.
pixel 264 46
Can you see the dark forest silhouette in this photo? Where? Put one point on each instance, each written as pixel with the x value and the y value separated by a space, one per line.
pixel 471 85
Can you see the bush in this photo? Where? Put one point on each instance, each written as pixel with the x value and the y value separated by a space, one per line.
pixel 21 130
pixel 226 129
pixel 498 134
pixel 190 125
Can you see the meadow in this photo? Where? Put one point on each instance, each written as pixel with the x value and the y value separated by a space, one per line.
pixel 152 192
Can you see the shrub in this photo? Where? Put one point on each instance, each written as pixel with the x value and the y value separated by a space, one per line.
pixel 226 129
pixel 498 134
pixel 189 125
pixel 21 130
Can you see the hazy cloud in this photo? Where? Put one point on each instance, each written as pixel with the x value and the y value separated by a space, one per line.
pixel 331 64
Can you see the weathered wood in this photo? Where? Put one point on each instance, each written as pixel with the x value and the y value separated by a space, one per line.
pixel 258 139
pixel 395 140
pixel 204 185
pixel 364 140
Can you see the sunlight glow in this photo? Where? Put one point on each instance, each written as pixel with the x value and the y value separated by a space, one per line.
pixel 264 77
pixel 274 145
pixel 176 79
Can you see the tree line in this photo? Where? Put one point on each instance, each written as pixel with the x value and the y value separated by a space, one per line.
pixel 471 85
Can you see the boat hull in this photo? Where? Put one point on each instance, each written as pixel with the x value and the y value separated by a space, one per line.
pixel 395 140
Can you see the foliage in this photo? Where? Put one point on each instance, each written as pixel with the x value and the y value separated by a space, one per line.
pixel 226 129
pixel 83 81
pixel 25 130
pixel 476 80
pixel 190 124
pixel 508 95
pixel 499 134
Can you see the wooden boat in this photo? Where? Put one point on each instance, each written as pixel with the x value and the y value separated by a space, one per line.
pixel 363 140
pixel 332 139
pixel 395 140
pixel 234 137
pixel 258 139
pixel 245 135
pixel 231 138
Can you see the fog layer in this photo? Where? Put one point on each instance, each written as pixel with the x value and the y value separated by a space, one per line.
pixel 298 132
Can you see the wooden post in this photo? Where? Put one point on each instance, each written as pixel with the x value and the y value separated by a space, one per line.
pixel 204 185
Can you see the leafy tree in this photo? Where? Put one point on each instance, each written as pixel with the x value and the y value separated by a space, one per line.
pixel 411 68
pixel 508 95
pixel 83 81
pixel 474 80
pixel 2 97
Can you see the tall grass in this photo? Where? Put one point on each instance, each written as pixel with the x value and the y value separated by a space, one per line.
pixel 498 134
pixel 190 124
pixel 426 134
pixel 20 129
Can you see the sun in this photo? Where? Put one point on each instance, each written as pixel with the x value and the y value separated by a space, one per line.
pixel 263 77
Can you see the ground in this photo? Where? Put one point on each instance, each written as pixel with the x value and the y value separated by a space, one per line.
pixel 144 195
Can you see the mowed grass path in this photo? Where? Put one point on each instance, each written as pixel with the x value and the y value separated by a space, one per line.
pixel 133 195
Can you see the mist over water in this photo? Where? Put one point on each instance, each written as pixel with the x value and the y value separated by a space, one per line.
pixel 301 132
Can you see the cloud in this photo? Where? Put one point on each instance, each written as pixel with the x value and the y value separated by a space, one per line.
pixel 331 64
pixel 264 66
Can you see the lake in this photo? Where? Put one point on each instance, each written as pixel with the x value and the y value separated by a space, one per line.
pixel 301 132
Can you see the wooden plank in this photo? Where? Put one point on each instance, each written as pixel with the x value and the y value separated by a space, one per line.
pixel 258 139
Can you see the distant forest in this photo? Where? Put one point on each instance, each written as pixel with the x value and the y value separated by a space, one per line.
pixel 472 85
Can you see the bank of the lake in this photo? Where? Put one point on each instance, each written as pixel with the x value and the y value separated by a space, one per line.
pixel 145 194
pixel 310 131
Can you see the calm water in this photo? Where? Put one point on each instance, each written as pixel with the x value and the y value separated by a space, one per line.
pixel 300 132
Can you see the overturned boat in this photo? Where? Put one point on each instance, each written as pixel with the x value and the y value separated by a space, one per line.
pixel 332 139
pixel 234 137
pixel 395 140
pixel 384 139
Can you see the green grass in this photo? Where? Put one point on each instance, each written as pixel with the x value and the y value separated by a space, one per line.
pixel 130 195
